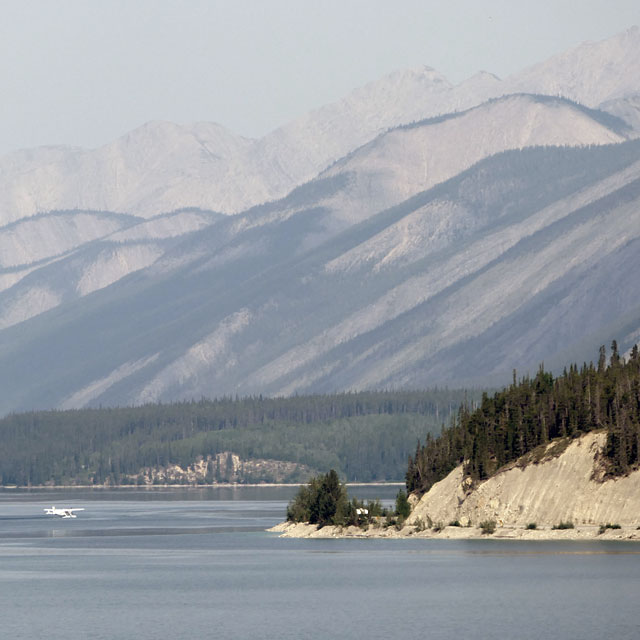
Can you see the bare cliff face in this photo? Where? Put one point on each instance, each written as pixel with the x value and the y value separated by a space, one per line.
pixel 565 488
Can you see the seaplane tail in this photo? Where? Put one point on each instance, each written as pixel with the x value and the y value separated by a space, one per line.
pixel 62 513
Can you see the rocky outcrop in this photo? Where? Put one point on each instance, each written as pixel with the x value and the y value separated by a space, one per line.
pixel 223 468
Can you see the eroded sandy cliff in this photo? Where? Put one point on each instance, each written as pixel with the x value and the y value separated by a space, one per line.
pixel 560 489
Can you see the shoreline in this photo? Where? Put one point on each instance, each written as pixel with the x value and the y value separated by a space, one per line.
pixel 585 532
pixel 221 485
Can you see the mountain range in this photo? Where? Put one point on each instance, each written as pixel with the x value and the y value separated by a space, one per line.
pixel 413 234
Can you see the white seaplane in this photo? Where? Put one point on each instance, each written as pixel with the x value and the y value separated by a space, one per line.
pixel 62 513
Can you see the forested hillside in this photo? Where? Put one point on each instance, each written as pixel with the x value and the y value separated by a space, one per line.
pixel 364 436
pixel 533 412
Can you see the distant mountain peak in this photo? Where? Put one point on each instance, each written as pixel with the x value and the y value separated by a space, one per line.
pixel 484 75
pixel 405 81
pixel 591 73
pixel 161 166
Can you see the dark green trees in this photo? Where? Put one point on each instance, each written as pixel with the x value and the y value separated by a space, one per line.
pixel 322 501
pixel 403 508
pixel 365 436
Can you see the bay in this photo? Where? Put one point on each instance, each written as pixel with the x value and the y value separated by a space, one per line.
pixel 197 562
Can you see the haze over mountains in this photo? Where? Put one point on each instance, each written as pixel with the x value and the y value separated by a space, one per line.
pixel 415 233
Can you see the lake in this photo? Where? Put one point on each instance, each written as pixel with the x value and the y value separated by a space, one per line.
pixel 186 563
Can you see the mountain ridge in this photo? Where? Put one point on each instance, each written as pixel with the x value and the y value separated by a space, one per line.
pixel 255 171
pixel 399 162
pixel 232 327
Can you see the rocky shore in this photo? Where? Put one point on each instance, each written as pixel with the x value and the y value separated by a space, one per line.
pixel 584 532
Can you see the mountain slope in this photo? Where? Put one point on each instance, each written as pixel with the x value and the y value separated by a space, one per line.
pixel 45 236
pixel 511 265
pixel 410 159
pixel 395 166
pixel 53 258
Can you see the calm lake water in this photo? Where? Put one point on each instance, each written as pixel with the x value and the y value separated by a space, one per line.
pixel 197 563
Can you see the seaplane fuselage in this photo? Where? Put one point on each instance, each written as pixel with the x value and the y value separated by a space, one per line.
pixel 62 513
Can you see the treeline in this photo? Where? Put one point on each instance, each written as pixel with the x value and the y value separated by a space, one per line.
pixel 365 436
pixel 534 411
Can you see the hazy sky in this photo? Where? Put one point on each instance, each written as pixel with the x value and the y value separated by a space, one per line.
pixel 84 72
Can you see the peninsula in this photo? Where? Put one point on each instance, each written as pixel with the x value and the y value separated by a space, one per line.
pixel 544 458
pixel 558 497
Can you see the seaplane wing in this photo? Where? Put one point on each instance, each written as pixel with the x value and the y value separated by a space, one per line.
pixel 63 513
